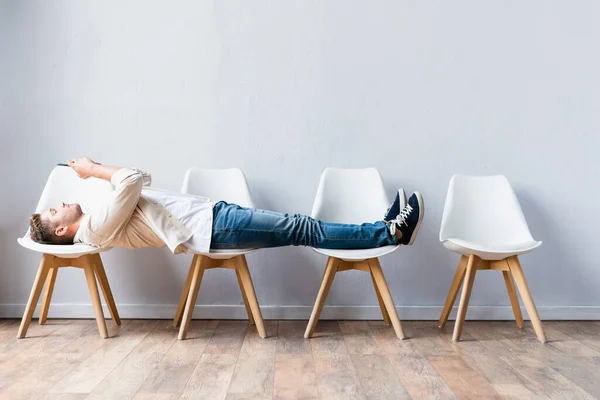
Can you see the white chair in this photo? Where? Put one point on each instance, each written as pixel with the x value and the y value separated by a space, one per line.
pixel 64 185
pixel 229 185
pixel 483 222
pixel 353 196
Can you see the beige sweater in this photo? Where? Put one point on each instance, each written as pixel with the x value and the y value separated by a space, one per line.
pixel 129 220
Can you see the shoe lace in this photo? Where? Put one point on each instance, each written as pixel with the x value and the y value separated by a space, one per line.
pixel 400 219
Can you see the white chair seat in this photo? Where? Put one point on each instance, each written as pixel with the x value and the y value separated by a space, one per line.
pixel 58 250
pixel 358 255
pixel 224 254
pixel 490 252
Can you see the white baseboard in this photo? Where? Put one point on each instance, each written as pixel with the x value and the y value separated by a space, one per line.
pixel 167 311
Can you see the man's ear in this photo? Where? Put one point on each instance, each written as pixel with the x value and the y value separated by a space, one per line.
pixel 60 230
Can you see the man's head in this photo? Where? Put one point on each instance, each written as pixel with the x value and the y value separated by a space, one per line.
pixel 57 225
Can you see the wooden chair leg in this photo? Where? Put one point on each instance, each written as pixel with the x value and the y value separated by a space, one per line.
pixel 184 293
pixel 464 298
pixel 517 273
pixel 244 297
pixel 34 296
pixel 512 295
pixel 386 296
pixel 50 280
pixel 105 287
pixel 453 292
pixel 326 283
pixel 192 296
pixel 386 316
pixel 248 288
pixel 90 277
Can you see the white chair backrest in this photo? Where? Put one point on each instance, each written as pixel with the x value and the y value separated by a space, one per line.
pixel 64 185
pixel 229 185
pixel 350 196
pixel 484 210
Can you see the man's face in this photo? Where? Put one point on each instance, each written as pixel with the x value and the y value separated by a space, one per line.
pixel 63 215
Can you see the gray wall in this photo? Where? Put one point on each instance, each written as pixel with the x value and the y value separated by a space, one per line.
pixel 419 89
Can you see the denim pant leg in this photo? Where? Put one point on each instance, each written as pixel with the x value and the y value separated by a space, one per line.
pixel 236 227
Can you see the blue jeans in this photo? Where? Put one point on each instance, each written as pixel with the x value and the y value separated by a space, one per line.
pixel 236 227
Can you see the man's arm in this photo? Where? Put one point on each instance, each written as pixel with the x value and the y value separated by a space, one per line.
pixel 114 214
pixel 85 168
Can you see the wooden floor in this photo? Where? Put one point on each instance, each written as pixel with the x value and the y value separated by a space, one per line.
pixel 66 359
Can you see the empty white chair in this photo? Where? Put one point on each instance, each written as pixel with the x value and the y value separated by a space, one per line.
pixel 228 185
pixel 483 222
pixel 64 185
pixel 353 196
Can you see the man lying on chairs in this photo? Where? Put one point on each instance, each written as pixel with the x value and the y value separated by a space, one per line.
pixel 137 216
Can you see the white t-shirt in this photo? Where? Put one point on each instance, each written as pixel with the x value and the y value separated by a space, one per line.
pixel 195 212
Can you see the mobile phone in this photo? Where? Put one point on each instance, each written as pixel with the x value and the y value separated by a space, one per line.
pixel 66 165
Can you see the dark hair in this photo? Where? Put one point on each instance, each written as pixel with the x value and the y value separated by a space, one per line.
pixel 43 231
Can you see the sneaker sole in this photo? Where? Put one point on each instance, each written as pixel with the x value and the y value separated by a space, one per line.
pixel 421 213
pixel 403 200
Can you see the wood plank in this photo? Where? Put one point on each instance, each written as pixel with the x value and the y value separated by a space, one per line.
pixel 327 337
pixel 387 340
pixel 336 377
pixel 591 362
pixel 377 377
pixel 227 338
pixel 492 368
pixel 65 396
pixel 467 345
pixel 518 392
pixel 8 333
pixel 8 325
pixel 255 367
pixel 36 333
pixel 42 375
pixel 295 377
pixel 576 338
pixel 359 338
pixel 419 377
pixel 576 372
pixel 463 380
pixel 156 396
pixel 88 374
pixel 211 377
pixel 290 338
pixel 577 328
pixel 20 364
pixel 489 335
pixel 127 377
pixel 544 378
pixel 7 337
pixel 433 341
pixel 172 373
pixel 243 396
